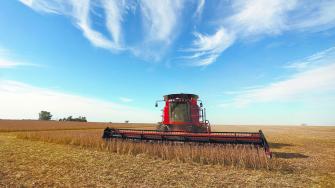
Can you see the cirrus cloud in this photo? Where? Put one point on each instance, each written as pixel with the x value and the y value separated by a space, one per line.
pixel 7 61
pixel 314 77
pixel 160 20
pixel 260 18
pixel 158 24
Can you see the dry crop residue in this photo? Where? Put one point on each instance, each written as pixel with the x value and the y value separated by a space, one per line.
pixel 35 163
pixel 308 152
pixel 243 156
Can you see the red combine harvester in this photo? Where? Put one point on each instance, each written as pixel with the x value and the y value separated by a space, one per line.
pixel 185 121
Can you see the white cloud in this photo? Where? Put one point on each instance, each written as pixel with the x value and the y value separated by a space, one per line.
pixel 79 11
pixel 200 8
pixel 53 6
pixel 314 16
pixel 125 99
pixel 160 22
pixel 263 17
pixel 248 18
pixel 19 100
pixel 81 15
pixel 315 80
pixel 206 49
pixel 317 59
pixel 4 63
pixel 114 10
pixel 161 18
pixel 8 62
pixel 258 18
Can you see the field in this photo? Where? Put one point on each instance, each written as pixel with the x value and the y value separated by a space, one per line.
pixel 37 153
pixel 34 125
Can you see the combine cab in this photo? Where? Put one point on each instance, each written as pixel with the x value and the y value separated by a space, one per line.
pixel 183 120
pixel 182 113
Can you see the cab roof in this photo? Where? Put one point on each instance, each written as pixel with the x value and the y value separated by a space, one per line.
pixel 181 96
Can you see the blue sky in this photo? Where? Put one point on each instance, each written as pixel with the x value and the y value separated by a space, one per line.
pixel 251 62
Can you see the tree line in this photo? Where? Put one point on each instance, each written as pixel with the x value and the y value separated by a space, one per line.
pixel 45 115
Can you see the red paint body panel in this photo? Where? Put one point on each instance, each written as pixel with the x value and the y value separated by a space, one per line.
pixel 166 118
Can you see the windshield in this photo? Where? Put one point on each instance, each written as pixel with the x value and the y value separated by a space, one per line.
pixel 179 111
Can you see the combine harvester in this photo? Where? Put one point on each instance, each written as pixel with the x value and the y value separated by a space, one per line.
pixel 185 121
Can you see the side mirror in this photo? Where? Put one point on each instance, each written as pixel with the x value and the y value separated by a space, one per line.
pixel 156 105
pixel 201 104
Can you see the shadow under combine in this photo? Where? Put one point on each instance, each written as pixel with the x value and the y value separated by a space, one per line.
pixel 285 155
pixel 278 145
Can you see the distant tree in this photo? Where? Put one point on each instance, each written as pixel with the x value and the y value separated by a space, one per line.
pixel 127 121
pixel 82 119
pixel 44 115
pixel 70 118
